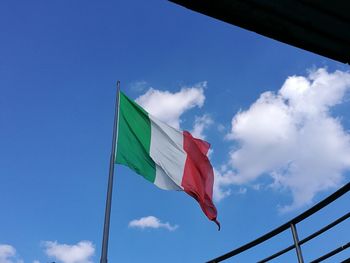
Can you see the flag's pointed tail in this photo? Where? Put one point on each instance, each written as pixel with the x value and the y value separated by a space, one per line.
pixel 217 223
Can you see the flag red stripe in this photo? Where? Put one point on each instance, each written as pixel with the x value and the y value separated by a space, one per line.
pixel 198 178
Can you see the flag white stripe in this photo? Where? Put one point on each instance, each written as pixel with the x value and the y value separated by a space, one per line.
pixel 167 152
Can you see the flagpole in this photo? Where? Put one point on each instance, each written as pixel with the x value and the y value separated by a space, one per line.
pixel 104 251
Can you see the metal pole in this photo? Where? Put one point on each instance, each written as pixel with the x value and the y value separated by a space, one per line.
pixel 296 243
pixel 104 251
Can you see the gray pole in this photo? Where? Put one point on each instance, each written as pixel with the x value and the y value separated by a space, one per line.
pixel 296 243
pixel 110 182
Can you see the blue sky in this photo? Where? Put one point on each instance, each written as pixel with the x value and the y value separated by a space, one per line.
pixel 59 62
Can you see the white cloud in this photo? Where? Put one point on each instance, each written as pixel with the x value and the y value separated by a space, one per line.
pixel 200 124
pixel 242 190
pixel 138 86
pixel 221 128
pixel 222 180
pixel 8 254
pixel 168 106
pixel 293 138
pixel 78 253
pixel 151 222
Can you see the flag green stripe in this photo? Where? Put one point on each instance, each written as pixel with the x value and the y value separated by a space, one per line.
pixel 134 138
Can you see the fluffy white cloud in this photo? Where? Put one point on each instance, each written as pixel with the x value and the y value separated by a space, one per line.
pixel 8 254
pixel 292 137
pixel 168 106
pixel 200 124
pixel 151 222
pixel 78 253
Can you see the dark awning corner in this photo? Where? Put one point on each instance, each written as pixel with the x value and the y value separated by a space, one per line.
pixel 319 26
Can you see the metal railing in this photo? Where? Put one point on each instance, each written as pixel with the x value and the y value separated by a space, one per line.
pixel 297 243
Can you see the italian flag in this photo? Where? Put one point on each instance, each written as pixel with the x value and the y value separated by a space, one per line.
pixel 171 159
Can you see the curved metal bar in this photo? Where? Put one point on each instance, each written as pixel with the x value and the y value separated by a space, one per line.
pixel 285 226
pixel 331 253
pixel 324 229
pixel 308 238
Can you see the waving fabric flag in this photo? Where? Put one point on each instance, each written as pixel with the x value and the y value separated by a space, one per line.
pixel 171 159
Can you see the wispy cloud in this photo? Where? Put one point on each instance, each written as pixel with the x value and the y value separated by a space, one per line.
pixel 168 106
pixel 223 179
pixel 77 253
pixel 293 137
pixel 200 125
pixel 138 86
pixel 8 254
pixel 151 222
